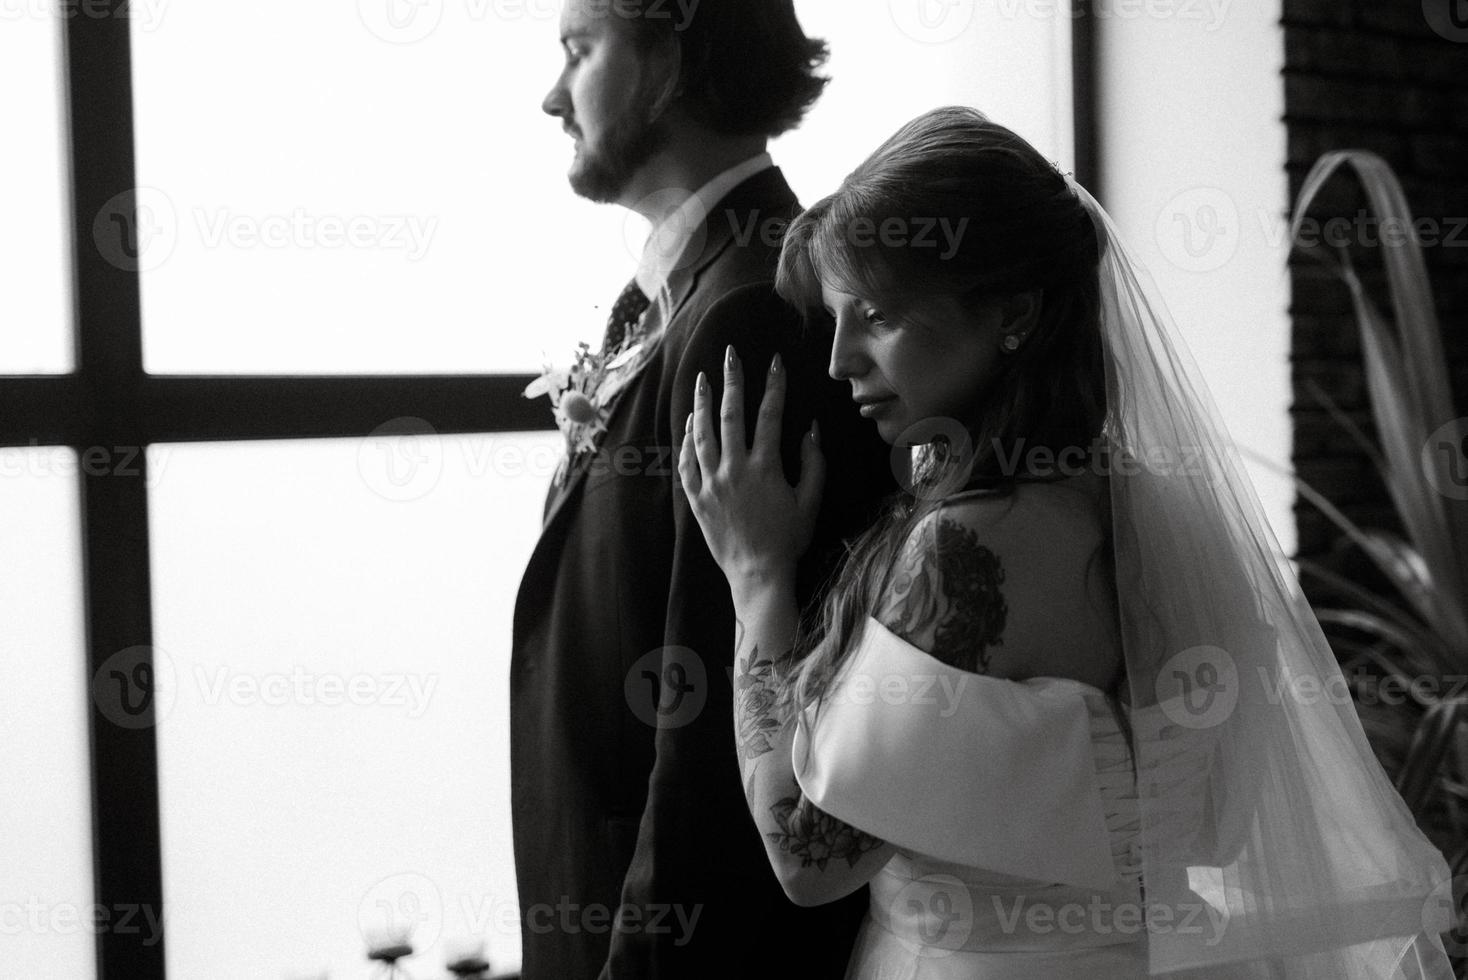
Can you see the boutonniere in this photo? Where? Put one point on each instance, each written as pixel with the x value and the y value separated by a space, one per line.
pixel 576 394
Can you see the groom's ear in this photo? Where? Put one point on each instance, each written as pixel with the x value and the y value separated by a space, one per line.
pixel 665 60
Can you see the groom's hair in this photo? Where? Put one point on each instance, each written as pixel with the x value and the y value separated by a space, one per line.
pixel 746 66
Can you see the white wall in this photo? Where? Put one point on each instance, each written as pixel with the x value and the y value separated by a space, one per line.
pixel 892 60
pixel 1193 152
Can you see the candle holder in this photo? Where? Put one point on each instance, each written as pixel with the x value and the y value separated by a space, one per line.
pixel 466 960
pixel 473 968
pixel 386 951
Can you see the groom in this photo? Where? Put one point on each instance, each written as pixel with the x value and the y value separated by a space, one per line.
pixel 635 853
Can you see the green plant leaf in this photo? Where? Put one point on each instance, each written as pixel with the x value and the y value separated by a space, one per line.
pixel 1361 595
pixel 1437 731
pixel 1407 643
pixel 1410 396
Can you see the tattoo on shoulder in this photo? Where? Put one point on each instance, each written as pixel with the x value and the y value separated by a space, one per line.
pixel 949 588
pixel 756 691
pixel 816 837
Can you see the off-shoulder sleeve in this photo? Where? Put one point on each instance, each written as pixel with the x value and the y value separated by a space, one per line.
pixel 963 767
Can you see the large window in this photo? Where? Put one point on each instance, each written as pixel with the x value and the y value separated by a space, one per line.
pixel 281 273
pixel 35 304
pixel 47 907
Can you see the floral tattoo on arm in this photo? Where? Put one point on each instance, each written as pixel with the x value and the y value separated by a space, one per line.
pixel 805 831
pixel 948 589
pixel 755 689
pixel 816 837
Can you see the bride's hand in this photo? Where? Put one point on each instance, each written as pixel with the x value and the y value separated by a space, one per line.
pixel 756 524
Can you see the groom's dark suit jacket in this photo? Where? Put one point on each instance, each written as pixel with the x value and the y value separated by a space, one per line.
pixel 635 853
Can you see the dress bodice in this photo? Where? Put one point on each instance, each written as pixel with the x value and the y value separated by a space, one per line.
pixel 1013 808
pixel 944 906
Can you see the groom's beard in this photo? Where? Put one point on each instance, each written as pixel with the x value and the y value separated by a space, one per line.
pixel 601 174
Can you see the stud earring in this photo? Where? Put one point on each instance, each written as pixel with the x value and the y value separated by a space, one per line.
pixel 1011 343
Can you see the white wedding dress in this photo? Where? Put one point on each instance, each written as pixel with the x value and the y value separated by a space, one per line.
pixel 1014 808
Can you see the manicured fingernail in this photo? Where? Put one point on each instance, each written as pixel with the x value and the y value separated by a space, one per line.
pixel 815 431
pixel 729 357
pixel 689 424
pixel 775 363
pixel 703 383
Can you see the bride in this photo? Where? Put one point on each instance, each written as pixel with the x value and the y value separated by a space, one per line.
pixel 1061 708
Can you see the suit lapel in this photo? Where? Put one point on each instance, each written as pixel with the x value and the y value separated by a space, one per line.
pixel 743 211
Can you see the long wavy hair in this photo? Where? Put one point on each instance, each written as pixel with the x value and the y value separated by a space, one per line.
pixel 1025 231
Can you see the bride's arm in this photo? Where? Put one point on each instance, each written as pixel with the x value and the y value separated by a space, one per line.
pixel 817 858
pixel 757 526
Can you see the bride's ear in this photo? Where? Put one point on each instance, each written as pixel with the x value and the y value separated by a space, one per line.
pixel 1020 312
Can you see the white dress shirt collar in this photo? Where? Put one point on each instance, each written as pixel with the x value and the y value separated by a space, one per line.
pixel 671 235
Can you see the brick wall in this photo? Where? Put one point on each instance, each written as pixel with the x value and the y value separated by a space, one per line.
pixel 1375 75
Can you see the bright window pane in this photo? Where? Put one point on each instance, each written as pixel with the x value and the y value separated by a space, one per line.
pixel 388 196
pixel 48 921
pixel 336 616
pixel 326 200
pixel 35 254
pixel 892 60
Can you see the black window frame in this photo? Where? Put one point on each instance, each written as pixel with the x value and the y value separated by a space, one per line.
pixel 110 410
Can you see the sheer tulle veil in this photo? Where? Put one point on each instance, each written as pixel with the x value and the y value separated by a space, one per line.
pixel 1273 845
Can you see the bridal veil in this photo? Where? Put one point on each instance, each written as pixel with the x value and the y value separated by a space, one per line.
pixel 1261 801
